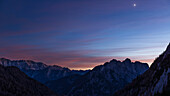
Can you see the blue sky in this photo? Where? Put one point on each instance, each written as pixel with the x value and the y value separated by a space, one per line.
pixel 81 34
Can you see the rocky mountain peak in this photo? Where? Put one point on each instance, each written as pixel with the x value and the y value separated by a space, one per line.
pixel 127 60
pixel 154 82
pixel 23 64
pixel 106 79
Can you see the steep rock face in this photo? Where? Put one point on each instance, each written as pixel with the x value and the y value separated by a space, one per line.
pixel 104 80
pixel 40 71
pixel 14 82
pixel 155 81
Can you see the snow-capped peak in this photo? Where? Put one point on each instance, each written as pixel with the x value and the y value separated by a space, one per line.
pixel 23 64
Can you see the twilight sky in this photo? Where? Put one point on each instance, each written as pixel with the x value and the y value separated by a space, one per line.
pixel 81 34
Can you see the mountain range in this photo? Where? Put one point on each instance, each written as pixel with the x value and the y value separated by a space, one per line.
pixel 154 82
pixel 106 79
pixel 40 71
pixel 102 80
pixel 114 78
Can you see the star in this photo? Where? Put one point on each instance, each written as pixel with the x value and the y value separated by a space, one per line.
pixel 134 5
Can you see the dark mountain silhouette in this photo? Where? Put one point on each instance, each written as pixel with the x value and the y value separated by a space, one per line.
pixel 106 79
pixel 63 85
pixel 14 82
pixel 154 82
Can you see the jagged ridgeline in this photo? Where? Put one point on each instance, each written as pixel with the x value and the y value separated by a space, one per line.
pixel 154 82
pixel 59 79
pixel 40 71
pixel 101 81
pixel 106 79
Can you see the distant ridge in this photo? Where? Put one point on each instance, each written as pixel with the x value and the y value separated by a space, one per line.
pixel 40 71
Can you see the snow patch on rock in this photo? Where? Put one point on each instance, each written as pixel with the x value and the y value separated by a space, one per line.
pixel 162 82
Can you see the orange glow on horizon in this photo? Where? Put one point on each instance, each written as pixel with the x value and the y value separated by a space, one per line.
pixel 81 68
pixel 149 61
